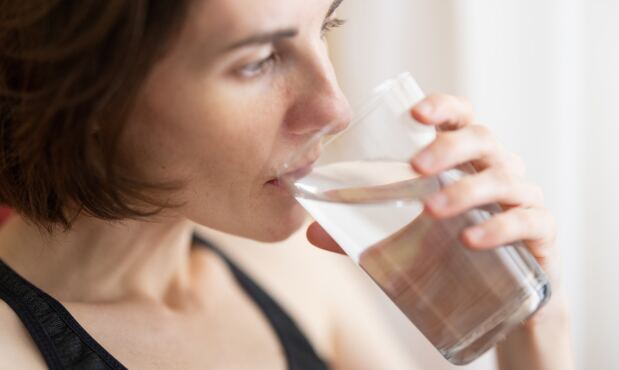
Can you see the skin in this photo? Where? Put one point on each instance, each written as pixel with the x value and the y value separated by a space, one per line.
pixel 222 121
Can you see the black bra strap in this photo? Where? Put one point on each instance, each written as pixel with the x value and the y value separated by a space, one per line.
pixel 298 350
pixel 61 340
pixel 64 344
pixel 38 334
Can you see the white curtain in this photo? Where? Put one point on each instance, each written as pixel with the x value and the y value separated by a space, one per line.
pixel 544 75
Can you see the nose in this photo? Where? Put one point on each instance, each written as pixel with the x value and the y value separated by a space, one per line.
pixel 319 102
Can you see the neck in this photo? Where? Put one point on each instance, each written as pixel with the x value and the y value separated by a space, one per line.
pixel 100 261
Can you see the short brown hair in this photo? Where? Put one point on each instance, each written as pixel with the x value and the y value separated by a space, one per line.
pixel 70 71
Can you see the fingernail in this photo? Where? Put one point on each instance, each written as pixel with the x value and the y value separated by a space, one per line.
pixel 438 201
pixel 426 108
pixel 475 234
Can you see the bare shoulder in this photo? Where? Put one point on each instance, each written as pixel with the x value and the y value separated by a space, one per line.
pixel 17 350
pixel 295 259
pixel 303 279
pixel 291 269
pixel 332 299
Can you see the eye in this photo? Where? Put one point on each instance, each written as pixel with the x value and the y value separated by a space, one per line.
pixel 258 68
pixel 330 24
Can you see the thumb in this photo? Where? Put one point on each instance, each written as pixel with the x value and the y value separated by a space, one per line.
pixel 319 237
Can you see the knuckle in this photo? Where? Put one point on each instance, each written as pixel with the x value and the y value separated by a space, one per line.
pixel 487 139
pixel 525 221
pixel 504 183
pixel 467 188
pixel 500 227
pixel 511 225
pixel 447 140
pixel 517 163
pixel 504 226
pixel 482 131
pixel 438 98
pixel 504 176
pixel 547 227
pixel 531 194
pixel 458 102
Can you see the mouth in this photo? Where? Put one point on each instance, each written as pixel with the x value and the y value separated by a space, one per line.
pixel 293 175
pixel 276 183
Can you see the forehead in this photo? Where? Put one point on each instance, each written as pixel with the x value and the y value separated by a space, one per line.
pixel 211 26
pixel 236 18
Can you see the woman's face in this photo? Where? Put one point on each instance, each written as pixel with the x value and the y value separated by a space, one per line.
pixel 245 83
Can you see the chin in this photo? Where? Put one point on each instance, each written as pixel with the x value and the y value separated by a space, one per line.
pixel 279 228
pixel 269 222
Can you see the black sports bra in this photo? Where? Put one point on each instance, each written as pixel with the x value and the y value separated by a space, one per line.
pixel 64 344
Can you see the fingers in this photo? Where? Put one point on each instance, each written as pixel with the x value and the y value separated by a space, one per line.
pixel 499 180
pixel 535 226
pixel 495 185
pixel 319 237
pixel 445 111
pixel 450 149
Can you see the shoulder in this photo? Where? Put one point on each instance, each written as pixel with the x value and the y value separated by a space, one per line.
pixel 289 265
pixel 16 345
pixel 292 270
pixel 297 275
pixel 333 300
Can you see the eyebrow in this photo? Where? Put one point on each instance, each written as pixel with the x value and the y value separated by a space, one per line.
pixel 265 38
pixel 336 4
pixel 277 35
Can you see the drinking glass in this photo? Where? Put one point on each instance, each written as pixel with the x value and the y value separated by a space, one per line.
pixel 358 185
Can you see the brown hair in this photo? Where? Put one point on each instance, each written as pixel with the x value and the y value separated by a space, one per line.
pixel 70 71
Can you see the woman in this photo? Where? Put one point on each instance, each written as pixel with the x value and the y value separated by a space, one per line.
pixel 126 124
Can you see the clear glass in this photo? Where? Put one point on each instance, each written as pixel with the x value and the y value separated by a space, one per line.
pixel 364 193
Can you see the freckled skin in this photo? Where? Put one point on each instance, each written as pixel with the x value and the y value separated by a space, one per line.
pixel 200 120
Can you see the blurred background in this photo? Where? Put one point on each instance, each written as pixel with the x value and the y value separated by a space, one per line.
pixel 544 76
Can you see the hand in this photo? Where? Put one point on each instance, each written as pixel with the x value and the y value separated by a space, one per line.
pixel 500 179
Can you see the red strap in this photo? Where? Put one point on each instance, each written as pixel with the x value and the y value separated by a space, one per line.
pixel 5 212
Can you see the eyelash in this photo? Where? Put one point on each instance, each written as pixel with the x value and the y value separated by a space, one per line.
pixel 258 68
pixel 331 24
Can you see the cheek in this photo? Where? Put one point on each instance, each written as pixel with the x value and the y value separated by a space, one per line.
pixel 224 145
pixel 192 132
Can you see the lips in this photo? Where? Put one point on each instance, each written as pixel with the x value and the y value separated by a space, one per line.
pixel 301 171
pixel 295 174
